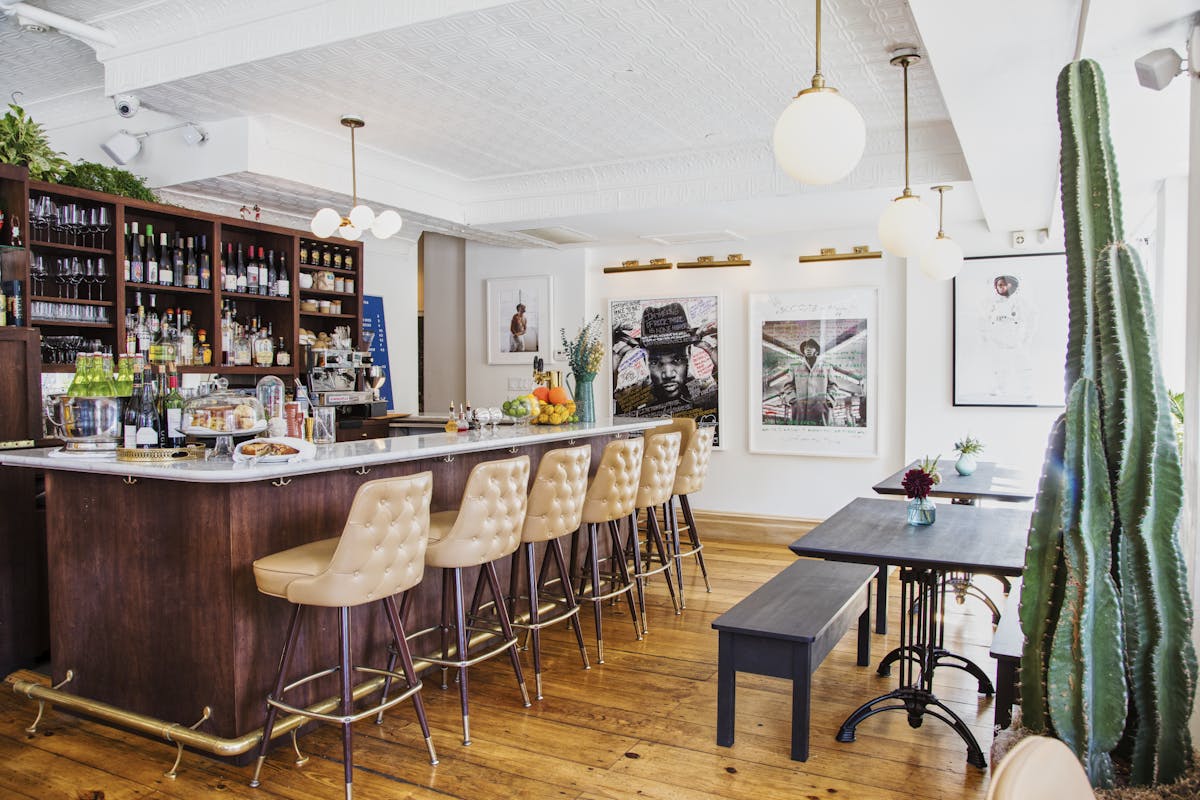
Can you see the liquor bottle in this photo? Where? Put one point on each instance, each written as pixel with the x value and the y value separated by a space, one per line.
pixel 272 275
pixel 452 420
pixel 166 262
pixel 187 339
pixel 137 268
pixel 128 248
pixel 243 353
pixel 141 331
pixel 129 439
pixel 226 335
pixel 131 320
pixel 283 285
pixel 230 269
pixel 148 426
pixel 206 351
pixel 243 282
pixel 205 264
pixel 153 260
pixel 264 349
pixel 165 347
pixel 173 412
pixel 191 271
pixel 282 357
pixel 264 281
pixel 251 273
pixel 462 424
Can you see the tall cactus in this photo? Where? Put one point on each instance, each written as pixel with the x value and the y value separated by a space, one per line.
pixel 1105 607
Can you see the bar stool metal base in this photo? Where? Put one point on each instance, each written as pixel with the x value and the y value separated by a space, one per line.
pixel 619 577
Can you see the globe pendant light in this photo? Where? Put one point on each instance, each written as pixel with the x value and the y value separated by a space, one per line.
pixel 820 136
pixel 361 218
pixel 942 258
pixel 906 225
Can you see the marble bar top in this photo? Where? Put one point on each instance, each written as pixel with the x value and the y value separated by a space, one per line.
pixel 331 457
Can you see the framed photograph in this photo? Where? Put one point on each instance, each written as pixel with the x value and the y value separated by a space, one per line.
pixel 1010 331
pixel 664 358
pixel 813 372
pixel 518 319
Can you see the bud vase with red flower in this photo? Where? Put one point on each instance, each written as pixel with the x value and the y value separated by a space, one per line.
pixel 921 511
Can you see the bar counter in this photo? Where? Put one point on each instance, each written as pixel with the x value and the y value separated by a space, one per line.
pixel 153 604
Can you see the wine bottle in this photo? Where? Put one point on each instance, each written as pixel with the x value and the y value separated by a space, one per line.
pixel 230 270
pixel 191 271
pixel 272 275
pixel 137 269
pixel 187 338
pixel 130 422
pixel 166 262
pixel 128 248
pixel 251 273
pixel 177 257
pixel 150 258
pixel 283 285
pixel 282 357
pixel 148 426
pixel 173 412
pixel 205 264
pixel 264 281
pixel 242 279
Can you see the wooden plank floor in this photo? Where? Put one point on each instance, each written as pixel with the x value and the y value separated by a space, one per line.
pixel 640 725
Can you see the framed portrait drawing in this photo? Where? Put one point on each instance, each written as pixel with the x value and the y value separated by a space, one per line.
pixel 665 358
pixel 1010 331
pixel 813 372
pixel 518 319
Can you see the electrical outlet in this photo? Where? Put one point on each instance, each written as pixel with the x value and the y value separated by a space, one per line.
pixel 518 384
pixel 1020 239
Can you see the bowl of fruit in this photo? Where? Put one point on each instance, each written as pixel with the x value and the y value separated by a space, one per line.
pixel 555 407
pixel 521 410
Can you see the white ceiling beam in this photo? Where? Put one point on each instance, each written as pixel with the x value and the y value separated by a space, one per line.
pixel 259 30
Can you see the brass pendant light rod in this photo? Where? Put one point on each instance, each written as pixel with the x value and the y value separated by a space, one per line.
pixel 818 80
pixel 904 57
pixel 941 190
pixel 353 122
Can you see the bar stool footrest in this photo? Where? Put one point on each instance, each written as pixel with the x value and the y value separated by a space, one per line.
pixel 351 718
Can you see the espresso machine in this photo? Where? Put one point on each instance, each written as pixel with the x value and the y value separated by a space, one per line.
pixel 345 379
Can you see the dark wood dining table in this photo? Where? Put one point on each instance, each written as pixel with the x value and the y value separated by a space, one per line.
pixel 990 481
pixel 963 539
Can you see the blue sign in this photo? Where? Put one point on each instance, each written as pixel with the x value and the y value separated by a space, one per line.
pixel 373 321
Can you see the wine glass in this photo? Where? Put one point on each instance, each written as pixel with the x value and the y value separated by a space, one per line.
pixel 37 274
pixel 76 275
pixel 89 275
pixel 102 223
pixel 62 271
pixel 101 276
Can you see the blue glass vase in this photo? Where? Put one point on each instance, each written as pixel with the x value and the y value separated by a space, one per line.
pixel 921 511
pixel 585 401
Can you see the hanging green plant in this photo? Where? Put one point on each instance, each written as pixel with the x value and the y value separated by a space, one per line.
pixel 23 142
pixel 112 180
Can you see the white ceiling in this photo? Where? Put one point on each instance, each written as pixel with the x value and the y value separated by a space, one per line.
pixel 617 117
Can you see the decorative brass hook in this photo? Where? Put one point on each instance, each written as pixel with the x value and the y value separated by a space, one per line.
pixel 448 459
pixel 281 481
pixel 360 471
pixel 129 480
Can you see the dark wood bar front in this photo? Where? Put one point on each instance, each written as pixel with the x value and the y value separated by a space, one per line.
pixel 154 607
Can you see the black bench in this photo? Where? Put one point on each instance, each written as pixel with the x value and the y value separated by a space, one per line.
pixel 1007 643
pixel 785 628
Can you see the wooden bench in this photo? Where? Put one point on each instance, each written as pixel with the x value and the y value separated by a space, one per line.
pixel 785 628
pixel 1007 643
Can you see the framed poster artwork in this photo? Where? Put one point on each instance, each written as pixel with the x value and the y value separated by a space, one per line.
pixel 518 319
pixel 665 358
pixel 813 372
pixel 1010 331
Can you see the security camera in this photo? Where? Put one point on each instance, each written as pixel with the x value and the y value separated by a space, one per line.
pixel 126 104
pixel 1158 68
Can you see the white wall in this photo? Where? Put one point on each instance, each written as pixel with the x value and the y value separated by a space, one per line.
pixel 391 272
pixel 487 384
pixel 739 481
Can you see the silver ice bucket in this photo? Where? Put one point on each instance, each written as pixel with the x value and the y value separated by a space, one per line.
pixel 86 423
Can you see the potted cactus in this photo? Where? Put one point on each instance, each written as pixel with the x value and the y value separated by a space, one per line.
pixel 1108 665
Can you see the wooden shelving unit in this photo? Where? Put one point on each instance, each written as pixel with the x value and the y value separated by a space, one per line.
pixel 283 313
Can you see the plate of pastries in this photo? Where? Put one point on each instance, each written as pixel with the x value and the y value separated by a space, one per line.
pixel 274 450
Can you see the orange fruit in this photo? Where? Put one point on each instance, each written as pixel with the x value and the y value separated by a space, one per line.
pixel 542 393
pixel 558 396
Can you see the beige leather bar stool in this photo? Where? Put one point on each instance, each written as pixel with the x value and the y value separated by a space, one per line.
pixel 484 528
pixel 689 478
pixel 381 553
pixel 610 499
pixel 555 510
pixel 659 462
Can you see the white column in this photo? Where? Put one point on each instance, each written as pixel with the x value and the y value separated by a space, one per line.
pixel 1191 448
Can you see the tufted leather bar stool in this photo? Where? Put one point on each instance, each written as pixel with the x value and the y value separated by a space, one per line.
pixel 610 499
pixel 657 478
pixel 689 478
pixel 484 528
pixel 555 510
pixel 381 553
